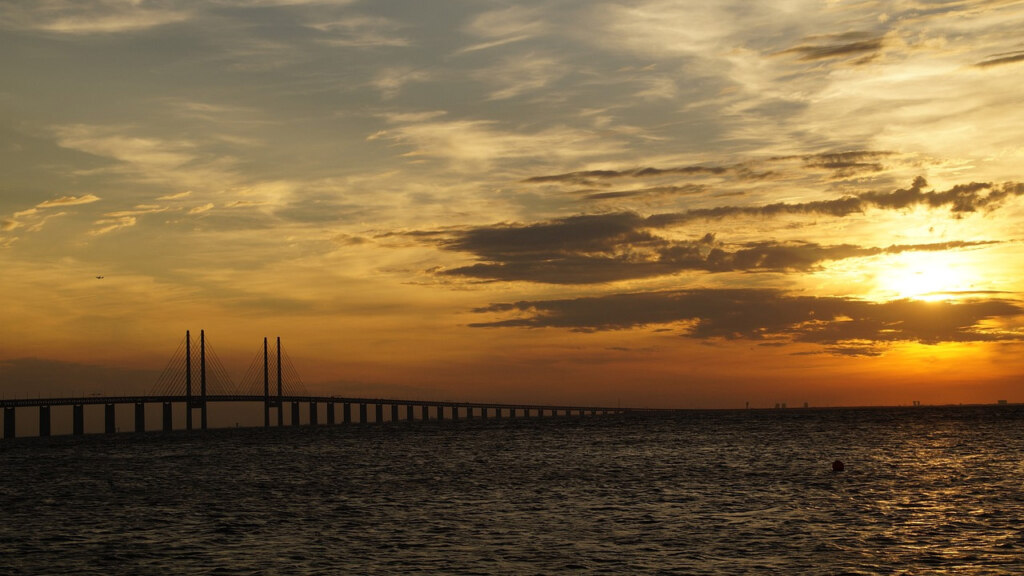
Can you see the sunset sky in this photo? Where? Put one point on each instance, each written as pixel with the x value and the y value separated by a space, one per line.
pixel 653 203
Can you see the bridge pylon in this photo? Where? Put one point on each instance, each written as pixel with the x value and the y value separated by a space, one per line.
pixel 279 380
pixel 208 372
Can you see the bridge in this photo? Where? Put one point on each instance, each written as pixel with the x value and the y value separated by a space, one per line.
pixel 193 386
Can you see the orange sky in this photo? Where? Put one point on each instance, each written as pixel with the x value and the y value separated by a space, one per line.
pixel 649 203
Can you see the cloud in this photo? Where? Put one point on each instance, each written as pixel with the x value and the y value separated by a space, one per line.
pixel 176 196
pixel 517 75
pixel 960 199
pixel 840 164
pixel 123 218
pixel 504 26
pixel 107 225
pixel 1001 59
pixel 600 248
pixel 389 81
pixel 770 317
pixel 476 144
pixel 200 209
pixel 100 17
pixel 69 201
pixel 362 32
pixel 856 44
pixel 684 190
pixel 33 219
pixel 623 246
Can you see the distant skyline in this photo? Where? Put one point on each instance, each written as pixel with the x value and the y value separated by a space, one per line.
pixel 652 203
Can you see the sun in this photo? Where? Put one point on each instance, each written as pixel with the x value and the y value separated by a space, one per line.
pixel 928 276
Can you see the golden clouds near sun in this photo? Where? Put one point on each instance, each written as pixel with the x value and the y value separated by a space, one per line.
pixel 930 276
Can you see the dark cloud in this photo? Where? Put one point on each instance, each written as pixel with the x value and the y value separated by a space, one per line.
pixel 843 164
pixel 623 246
pixel 844 325
pixel 1001 59
pixel 589 175
pixel 598 248
pixel 960 199
pixel 654 191
pixel 841 46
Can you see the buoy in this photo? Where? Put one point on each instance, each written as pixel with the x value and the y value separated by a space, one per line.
pixel 838 466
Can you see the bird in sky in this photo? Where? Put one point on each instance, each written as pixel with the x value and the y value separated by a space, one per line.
pixel 99 277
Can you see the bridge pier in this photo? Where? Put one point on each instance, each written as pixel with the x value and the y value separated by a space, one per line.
pixel 313 420
pixel 424 413
pixel 346 413
pixel 330 413
pixel 140 417
pixel 109 424
pixel 408 413
pixel 295 413
pixel 362 413
pixel 394 413
pixel 378 414
pixel 44 421
pixel 455 412
pixel 440 412
pixel 78 419
pixel 483 413
pixel 9 429
pixel 168 423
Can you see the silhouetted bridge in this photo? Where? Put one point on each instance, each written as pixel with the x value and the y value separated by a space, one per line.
pixel 176 387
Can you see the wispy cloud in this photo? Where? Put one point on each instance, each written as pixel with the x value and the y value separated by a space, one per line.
pixel 93 17
pixel 33 219
pixel 475 145
pixel 390 81
pixel 362 31
pixel 69 201
pixel 504 26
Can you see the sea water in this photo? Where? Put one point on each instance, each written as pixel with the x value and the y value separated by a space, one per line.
pixel 924 491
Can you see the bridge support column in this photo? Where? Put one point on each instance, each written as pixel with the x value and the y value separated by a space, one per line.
pixel 295 413
pixel 424 413
pixel 483 413
pixel 469 412
pixel 109 424
pixel 140 417
pixel 346 413
pixel 78 420
pixel 362 413
pixel 9 429
pixel 440 412
pixel 394 413
pixel 168 423
pixel 313 420
pixel 497 412
pixel 44 421
pixel 455 412
pixel 330 413
pixel 379 414
pixel 408 413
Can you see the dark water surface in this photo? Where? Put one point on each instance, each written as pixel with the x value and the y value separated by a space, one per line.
pixel 925 491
